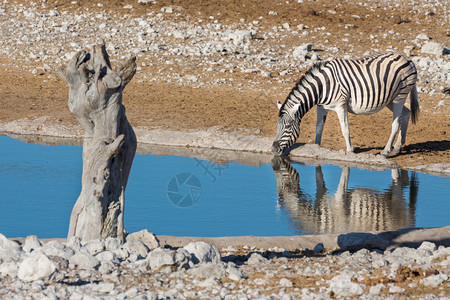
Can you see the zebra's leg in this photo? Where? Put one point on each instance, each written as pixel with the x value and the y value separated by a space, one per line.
pixel 396 107
pixel 321 118
pixel 403 128
pixel 343 119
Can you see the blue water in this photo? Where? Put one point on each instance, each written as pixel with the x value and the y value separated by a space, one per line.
pixel 40 184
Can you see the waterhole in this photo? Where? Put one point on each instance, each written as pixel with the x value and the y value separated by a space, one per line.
pixel 191 196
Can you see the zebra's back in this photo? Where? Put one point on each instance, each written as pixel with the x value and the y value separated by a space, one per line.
pixel 370 83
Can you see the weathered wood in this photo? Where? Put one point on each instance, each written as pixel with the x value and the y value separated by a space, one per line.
pixel 95 99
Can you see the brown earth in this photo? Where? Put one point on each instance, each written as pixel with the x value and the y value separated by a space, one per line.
pixel 169 105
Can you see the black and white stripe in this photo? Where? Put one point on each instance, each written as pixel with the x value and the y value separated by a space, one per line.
pixel 359 86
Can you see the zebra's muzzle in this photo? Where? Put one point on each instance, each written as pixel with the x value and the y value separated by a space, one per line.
pixel 276 149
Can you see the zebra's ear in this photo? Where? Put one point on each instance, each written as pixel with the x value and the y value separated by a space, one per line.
pixel 279 105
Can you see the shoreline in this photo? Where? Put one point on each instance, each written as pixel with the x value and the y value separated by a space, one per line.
pixel 411 237
pixel 214 144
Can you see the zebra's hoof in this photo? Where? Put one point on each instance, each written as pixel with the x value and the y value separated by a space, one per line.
pixel 384 154
pixel 395 151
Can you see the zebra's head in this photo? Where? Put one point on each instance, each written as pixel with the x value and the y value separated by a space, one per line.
pixel 288 128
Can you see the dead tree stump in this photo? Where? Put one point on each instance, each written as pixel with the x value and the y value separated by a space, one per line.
pixel 95 99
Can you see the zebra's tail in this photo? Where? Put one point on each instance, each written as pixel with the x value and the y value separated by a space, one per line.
pixel 414 103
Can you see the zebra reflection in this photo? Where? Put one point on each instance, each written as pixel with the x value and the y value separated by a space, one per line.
pixel 346 210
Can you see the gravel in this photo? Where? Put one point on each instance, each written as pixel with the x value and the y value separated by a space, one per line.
pixel 163 39
pixel 200 270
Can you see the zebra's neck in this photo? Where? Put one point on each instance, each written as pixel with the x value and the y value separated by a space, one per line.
pixel 307 92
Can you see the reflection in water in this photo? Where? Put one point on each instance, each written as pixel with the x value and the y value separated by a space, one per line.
pixel 348 209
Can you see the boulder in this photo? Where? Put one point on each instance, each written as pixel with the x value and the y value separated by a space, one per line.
pixel 57 249
pixel 136 247
pixel 84 261
pixel 107 257
pixel 202 252
pixel 36 267
pixel 162 257
pixel 31 243
pixel 209 270
pixel 359 240
pixel 112 243
pixel 147 238
pixel 9 250
pixel 95 246
pixel 256 259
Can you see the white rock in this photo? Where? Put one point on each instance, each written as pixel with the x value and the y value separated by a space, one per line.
pixel 162 257
pixel 396 289
pixel 95 246
pixel 112 244
pixel 256 259
pixel 102 287
pixel 147 238
pixel 240 37
pixel 202 252
pixel 9 250
pixel 84 261
pixel 57 249
pixel 375 290
pixel 346 287
pixel 434 280
pixel 75 243
pixel 31 243
pixel 301 51
pixel 36 266
pixel 432 48
pixel 167 9
pixel 107 257
pixel 234 273
pixel 9 268
pixel 422 36
pixel 136 247
pixel 106 268
pixel 208 270
pixel 428 246
pixel 209 283
pixel 53 13
pixel 285 282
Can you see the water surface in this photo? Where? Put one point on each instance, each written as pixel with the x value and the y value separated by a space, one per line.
pixel 181 196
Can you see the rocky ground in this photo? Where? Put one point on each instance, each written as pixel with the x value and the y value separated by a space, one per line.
pixel 222 66
pixel 219 67
pixel 142 268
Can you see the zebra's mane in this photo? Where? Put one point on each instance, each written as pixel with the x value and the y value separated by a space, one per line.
pixel 289 103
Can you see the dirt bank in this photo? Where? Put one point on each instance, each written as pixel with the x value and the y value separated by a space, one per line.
pixel 226 91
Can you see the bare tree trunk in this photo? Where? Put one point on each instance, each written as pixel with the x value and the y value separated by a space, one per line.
pixel 95 99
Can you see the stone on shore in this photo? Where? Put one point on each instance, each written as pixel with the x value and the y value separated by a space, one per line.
pixel 147 238
pixel 360 240
pixel 202 252
pixel 35 267
pixel 9 250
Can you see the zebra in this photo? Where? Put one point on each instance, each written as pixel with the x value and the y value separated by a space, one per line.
pixel 360 86
pixel 345 209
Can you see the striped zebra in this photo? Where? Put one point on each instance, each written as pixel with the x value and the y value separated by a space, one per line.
pixel 344 208
pixel 360 86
